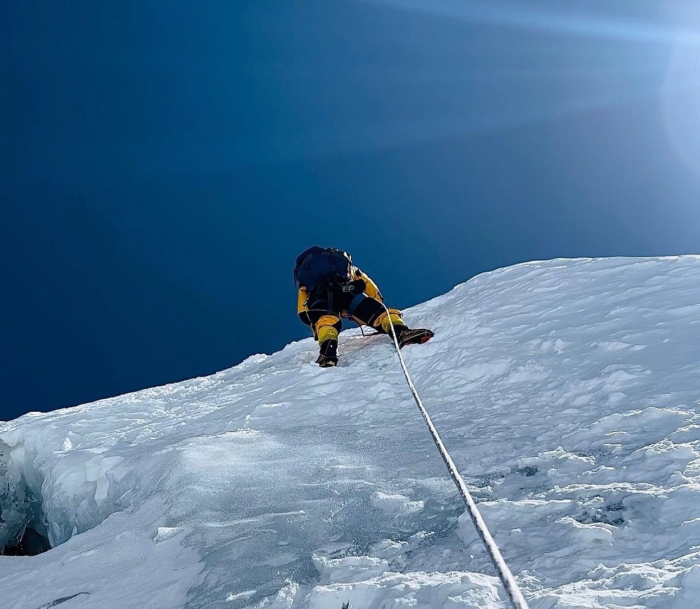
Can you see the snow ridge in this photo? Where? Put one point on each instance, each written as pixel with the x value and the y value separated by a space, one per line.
pixel 566 391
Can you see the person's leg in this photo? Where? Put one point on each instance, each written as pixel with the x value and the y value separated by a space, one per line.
pixel 326 325
pixel 327 329
pixel 371 312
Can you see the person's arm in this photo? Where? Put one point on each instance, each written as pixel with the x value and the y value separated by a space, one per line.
pixel 371 288
pixel 303 306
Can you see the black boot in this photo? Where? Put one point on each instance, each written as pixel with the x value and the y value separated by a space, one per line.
pixel 418 336
pixel 328 356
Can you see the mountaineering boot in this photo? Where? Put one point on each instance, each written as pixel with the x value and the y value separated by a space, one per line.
pixel 326 362
pixel 328 357
pixel 406 336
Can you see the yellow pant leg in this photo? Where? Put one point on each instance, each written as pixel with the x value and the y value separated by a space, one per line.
pixel 326 328
pixel 383 320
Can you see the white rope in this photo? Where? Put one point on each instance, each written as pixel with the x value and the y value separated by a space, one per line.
pixel 509 583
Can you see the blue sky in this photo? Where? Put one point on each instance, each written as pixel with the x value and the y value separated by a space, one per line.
pixel 165 162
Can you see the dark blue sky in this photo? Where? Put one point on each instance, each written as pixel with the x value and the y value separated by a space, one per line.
pixel 164 162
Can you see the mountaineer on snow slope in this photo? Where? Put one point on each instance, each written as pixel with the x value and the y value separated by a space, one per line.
pixel 331 287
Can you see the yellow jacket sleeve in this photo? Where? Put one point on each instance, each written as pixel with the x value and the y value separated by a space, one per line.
pixel 303 306
pixel 371 289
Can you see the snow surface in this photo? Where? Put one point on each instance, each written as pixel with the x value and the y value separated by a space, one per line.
pixel 567 391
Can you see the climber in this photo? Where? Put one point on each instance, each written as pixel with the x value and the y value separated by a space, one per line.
pixel 331 287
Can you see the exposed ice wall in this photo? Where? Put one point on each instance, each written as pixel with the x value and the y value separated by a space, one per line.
pixel 567 392
pixel 12 500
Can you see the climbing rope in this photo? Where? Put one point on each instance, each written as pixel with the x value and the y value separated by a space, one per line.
pixel 509 583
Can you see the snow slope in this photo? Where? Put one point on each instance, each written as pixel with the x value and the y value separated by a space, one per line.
pixel 567 391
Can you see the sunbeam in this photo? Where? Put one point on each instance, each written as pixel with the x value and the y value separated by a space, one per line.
pixel 428 129
pixel 681 111
pixel 458 82
pixel 547 19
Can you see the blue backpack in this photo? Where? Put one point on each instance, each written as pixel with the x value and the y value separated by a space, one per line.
pixel 322 265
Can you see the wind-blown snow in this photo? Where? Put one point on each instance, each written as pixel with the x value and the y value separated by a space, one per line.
pixel 567 392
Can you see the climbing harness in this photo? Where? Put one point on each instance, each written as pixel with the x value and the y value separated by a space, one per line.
pixel 506 577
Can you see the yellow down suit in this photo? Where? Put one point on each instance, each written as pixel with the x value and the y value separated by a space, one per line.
pixel 360 300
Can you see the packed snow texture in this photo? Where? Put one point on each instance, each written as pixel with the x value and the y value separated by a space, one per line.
pixel 567 392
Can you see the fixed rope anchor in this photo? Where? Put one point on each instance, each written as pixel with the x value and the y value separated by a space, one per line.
pixel 511 586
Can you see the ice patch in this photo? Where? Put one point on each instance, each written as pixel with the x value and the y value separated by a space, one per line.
pixel 398 505
pixel 565 390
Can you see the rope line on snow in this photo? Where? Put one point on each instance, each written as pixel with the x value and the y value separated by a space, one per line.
pixel 504 573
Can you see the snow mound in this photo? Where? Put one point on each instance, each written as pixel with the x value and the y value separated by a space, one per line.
pixel 567 392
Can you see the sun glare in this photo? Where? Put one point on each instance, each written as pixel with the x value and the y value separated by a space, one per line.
pixel 681 97
pixel 536 16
